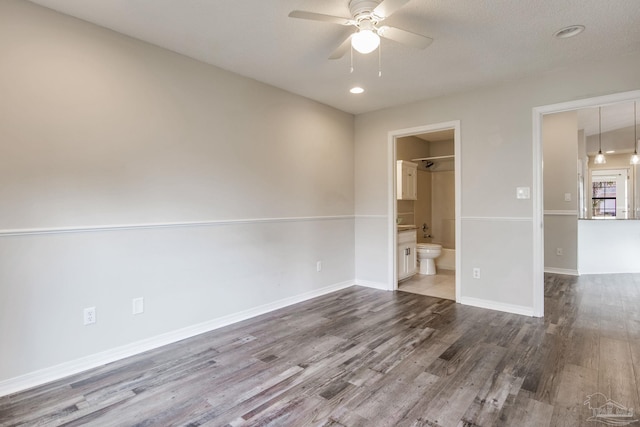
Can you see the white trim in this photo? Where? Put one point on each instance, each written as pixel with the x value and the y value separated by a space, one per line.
pixel 537 205
pixel 144 226
pixel 371 216
pixel 497 218
pixel 561 213
pixel 498 306
pixel 598 101
pixel 374 285
pixel 457 165
pixel 62 370
pixel 537 196
pixel 392 196
pixel 565 271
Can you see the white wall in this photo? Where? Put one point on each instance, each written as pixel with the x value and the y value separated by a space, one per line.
pixel 496 156
pixel 608 246
pixel 208 194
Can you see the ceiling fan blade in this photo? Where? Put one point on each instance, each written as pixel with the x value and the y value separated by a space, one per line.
pixel 301 14
pixel 342 49
pixel 405 37
pixel 388 7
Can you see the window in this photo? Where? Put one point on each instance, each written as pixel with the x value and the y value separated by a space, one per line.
pixel 604 199
pixel 609 193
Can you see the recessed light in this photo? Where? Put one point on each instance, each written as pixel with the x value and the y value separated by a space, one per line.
pixel 356 90
pixel 570 31
pixel 610 152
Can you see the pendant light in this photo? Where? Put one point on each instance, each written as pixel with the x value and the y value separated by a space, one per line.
pixel 635 159
pixel 600 160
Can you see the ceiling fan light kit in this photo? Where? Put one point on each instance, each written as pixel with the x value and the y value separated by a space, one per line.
pixel 365 40
pixel 365 17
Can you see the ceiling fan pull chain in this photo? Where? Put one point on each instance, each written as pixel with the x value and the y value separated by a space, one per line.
pixel 380 60
pixel 351 59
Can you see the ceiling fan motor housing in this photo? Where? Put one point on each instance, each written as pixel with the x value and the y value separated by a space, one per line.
pixel 363 9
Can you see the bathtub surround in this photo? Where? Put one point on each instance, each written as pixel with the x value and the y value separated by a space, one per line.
pixel 423 207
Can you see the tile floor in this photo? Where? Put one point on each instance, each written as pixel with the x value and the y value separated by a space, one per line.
pixel 441 285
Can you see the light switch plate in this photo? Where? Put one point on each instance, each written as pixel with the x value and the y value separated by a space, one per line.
pixel 523 192
pixel 567 197
pixel 137 305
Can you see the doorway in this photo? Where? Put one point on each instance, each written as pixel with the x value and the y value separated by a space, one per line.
pixel 446 228
pixel 538 202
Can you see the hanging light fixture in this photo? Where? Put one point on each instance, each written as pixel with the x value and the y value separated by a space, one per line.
pixel 635 159
pixel 600 160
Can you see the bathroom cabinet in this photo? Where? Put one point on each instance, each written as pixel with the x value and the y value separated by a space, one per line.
pixel 407 180
pixel 406 254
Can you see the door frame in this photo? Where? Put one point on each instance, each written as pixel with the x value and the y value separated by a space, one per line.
pixel 538 201
pixel 392 200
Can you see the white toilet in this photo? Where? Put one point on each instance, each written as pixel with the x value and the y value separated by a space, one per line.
pixel 427 253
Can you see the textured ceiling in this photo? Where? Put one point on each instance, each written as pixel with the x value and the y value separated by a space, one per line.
pixel 477 42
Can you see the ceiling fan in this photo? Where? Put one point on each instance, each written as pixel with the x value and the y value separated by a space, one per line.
pixel 366 16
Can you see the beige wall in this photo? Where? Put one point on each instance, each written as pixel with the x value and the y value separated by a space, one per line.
pixel 560 177
pixel 218 193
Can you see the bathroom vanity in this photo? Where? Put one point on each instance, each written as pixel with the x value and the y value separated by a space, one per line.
pixel 406 251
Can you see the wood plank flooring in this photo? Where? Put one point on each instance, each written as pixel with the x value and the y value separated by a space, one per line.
pixel 362 357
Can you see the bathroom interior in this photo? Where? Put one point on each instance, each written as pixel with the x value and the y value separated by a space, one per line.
pixel 426 210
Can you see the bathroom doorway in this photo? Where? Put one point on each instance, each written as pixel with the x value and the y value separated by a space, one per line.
pixel 430 215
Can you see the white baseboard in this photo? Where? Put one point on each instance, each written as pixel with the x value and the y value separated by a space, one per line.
pixel 374 285
pixel 566 271
pixel 498 306
pixel 43 376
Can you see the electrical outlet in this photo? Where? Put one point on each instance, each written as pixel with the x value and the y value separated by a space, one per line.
pixel 89 315
pixel 137 305
pixel 567 197
pixel 319 266
pixel 559 251
pixel 476 273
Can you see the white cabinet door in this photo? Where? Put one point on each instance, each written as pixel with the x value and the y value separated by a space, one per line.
pixel 402 261
pixel 406 254
pixel 411 183
pixel 411 259
pixel 407 180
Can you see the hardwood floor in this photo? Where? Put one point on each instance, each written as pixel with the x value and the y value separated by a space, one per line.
pixel 362 357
